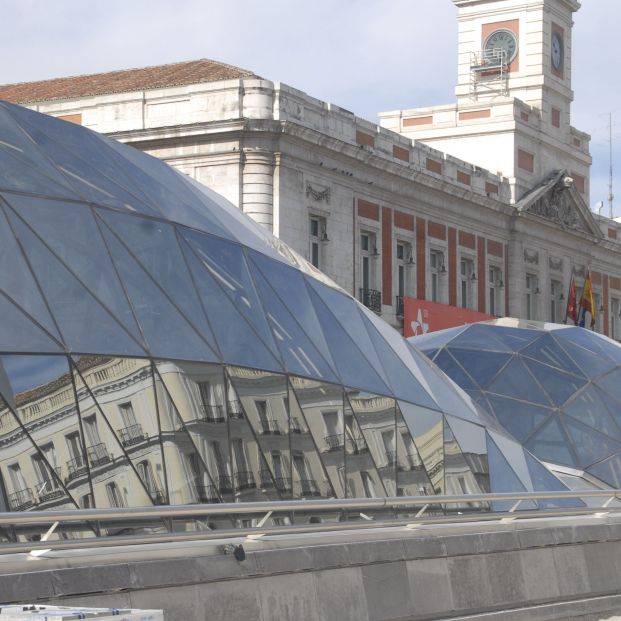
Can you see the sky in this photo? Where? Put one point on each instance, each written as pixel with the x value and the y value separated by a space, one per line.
pixel 366 56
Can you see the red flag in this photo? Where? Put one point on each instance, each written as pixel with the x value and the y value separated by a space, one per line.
pixel 587 303
pixel 572 310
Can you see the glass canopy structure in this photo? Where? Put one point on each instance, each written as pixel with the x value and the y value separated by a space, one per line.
pixel 555 388
pixel 158 347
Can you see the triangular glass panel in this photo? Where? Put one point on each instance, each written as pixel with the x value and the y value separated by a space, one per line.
pixel 322 406
pixel 260 453
pixel 265 401
pixel 71 232
pixel 121 426
pixel 516 381
pixel 608 471
pixel 589 409
pixel 20 334
pixel 558 385
pixel 547 351
pixel 154 245
pixel 166 331
pixel 459 479
pixel 591 364
pixel 515 338
pixel 34 168
pixel 551 444
pixel 51 471
pixel 374 418
pixel 504 480
pixel 589 445
pixel 454 370
pixel 545 481
pixel 471 441
pixel 187 476
pixel 583 338
pixel 481 366
pixel 608 346
pixel 17 282
pixel 86 326
pixel 30 481
pixel 519 418
pixel 412 479
pixel 227 264
pixel 237 340
pixel 426 427
pixel 86 180
pixel 363 479
pixel 514 454
pixel 298 352
pixel 403 383
pixel 611 383
pixel 351 364
pixel 613 405
pixel 309 475
pixel 290 287
pixel 480 337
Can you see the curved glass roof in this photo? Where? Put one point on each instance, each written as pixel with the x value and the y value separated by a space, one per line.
pixel 154 333
pixel 555 388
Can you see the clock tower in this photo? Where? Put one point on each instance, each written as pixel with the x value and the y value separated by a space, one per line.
pixel 512 113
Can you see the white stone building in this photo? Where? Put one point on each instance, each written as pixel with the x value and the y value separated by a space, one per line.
pixel 497 226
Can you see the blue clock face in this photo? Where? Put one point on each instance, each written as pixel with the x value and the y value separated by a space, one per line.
pixel 501 45
pixel 557 50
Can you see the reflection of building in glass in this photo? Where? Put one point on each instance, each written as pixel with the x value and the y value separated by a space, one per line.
pixel 160 348
pixel 555 388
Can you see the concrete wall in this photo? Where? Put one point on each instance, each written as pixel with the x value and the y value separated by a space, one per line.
pixel 563 572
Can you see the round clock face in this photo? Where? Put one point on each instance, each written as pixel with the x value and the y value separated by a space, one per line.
pixel 500 40
pixel 557 50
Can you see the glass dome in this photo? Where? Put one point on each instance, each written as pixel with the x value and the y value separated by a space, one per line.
pixel 555 388
pixel 157 347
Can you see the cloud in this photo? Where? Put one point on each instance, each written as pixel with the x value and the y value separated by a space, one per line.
pixel 364 55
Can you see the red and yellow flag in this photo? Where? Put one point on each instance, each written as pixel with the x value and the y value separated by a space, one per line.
pixel 587 303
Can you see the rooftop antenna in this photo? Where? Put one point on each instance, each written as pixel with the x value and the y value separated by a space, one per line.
pixel 610 194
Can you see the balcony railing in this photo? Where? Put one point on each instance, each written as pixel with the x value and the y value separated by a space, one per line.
pixel 235 410
pixel 296 427
pixel 213 413
pixel 225 484
pixel 270 428
pixel 207 493
pixel 391 457
pixel 334 442
pixel 244 480
pixel 399 306
pixel 76 467
pixel 372 299
pixel 49 488
pixel 266 479
pixel 310 487
pixel 131 435
pixel 98 455
pixel 283 484
pixel 356 445
pixel 21 500
pixel 158 496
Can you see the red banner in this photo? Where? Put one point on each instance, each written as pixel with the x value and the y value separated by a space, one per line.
pixel 421 316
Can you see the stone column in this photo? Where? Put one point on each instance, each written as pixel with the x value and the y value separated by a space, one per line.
pixel 258 186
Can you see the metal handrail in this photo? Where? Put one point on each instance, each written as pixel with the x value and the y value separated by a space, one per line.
pixel 16 518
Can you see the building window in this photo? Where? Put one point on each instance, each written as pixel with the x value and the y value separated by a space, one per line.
pixel 405 259
pixel 369 296
pixel 114 495
pixel 556 290
pixel 615 309
pixel 599 312
pixel 437 268
pixel 495 287
pixel 317 236
pixel 466 283
pixel 531 290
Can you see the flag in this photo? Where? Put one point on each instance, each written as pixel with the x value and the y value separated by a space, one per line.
pixel 586 302
pixel 572 310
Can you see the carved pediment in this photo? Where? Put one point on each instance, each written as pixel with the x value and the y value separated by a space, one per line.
pixel 558 200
